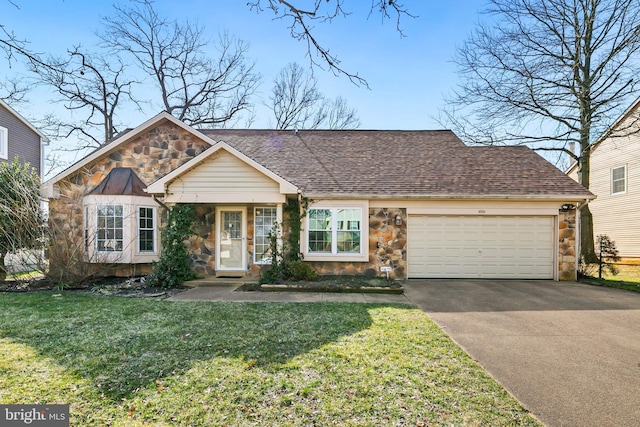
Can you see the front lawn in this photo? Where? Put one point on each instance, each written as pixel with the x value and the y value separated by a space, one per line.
pixel 627 278
pixel 134 362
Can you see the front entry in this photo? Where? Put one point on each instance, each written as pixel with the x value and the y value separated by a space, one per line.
pixel 231 241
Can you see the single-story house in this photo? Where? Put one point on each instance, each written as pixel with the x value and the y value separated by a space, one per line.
pixel 419 202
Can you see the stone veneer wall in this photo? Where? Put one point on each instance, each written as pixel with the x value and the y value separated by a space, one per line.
pixel 151 155
pixel 203 245
pixel 567 245
pixel 387 247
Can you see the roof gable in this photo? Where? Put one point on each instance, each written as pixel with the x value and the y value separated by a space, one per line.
pixel 124 138
pixel 609 133
pixel 235 161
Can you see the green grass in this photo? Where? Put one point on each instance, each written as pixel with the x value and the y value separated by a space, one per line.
pixel 628 278
pixel 25 275
pixel 134 362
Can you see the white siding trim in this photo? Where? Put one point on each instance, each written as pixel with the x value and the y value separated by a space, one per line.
pixel 344 257
pixel 624 179
pixel 4 143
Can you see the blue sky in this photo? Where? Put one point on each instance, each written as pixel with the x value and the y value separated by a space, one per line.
pixel 407 76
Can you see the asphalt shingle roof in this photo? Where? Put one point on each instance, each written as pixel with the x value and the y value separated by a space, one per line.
pixel 398 163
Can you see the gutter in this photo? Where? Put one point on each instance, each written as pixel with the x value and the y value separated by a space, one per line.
pixel 555 197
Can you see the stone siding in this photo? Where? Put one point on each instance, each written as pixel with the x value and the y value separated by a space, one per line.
pixel 387 247
pixel 151 155
pixel 567 245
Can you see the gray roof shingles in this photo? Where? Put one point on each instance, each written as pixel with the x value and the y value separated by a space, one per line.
pixel 398 163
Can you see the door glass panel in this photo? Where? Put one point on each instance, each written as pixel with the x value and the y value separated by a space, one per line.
pixel 231 240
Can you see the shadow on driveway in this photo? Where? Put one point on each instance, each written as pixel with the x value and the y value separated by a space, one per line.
pixel 450 295
pixel 569 352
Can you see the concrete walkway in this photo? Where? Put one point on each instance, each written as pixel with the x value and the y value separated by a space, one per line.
pixel 229 293
pixel 569 352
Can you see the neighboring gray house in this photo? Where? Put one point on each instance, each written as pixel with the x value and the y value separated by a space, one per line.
pixel 20 138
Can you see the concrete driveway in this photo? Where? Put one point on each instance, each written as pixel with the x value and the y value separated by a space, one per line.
pixel 569 352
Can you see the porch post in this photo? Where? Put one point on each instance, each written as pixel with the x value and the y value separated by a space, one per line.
pixel 281 225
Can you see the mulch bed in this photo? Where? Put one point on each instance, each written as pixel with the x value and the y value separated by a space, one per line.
pixel 106 286
pixel 329 284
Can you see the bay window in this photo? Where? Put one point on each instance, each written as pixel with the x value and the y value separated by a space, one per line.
pixel 146 229
pixel 110 229
pixel 120 229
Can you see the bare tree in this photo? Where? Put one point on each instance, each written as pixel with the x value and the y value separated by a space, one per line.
pixel 302 20
pixel 297 103
pixel 14 90
pixel 16 48
pixel 193 87
pixel 93 86
pixel 551 74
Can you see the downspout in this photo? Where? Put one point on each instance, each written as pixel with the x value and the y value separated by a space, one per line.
pixel 155 198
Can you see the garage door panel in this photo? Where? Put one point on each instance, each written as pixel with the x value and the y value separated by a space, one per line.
pixel 481 247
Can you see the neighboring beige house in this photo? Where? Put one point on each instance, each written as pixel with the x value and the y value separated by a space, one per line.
pixel 615 180
pixel 419 202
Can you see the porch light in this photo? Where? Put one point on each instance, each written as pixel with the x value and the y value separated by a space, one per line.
pixel 398 220
pixel 567 207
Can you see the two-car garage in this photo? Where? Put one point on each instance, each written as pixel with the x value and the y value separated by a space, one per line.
pixel 479 246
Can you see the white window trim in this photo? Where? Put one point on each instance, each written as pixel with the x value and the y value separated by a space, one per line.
pixel 255 252
pixel 4 143
pixel 130 253
pixel 363 256
pixel 626 183
pixel 123 228
pixel 155 230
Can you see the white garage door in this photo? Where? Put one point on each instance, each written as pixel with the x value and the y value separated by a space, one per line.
pixel 496 247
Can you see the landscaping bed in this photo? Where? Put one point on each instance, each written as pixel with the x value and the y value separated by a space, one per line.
pixel 330 284
pixel 135 287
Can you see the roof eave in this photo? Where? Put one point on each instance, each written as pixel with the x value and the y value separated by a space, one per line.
pixel 514 197
pixel 43 137
pixel 113 145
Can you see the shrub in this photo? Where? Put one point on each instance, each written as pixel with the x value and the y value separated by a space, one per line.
pixel 285 264
pixel 298 270
pixel 607 255
pixel 173 267
pixel 21 222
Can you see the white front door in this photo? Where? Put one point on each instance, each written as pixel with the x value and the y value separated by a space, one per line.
pixel 231 241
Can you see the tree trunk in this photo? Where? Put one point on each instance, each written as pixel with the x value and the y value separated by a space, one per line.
pixel 3 268
pixel 587 244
